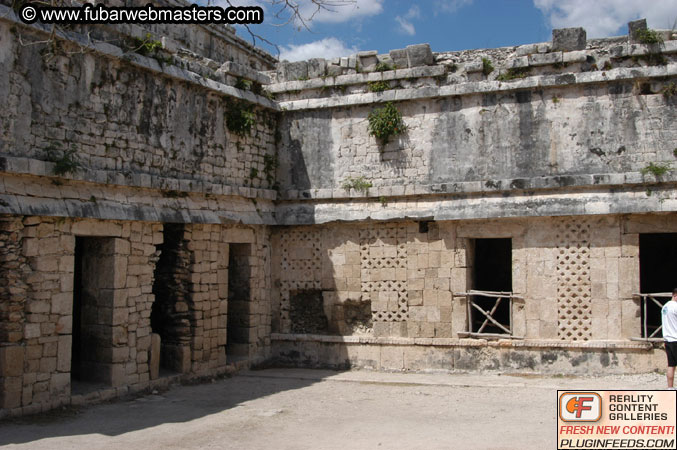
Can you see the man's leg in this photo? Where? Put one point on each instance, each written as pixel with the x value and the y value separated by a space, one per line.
pixel 671 375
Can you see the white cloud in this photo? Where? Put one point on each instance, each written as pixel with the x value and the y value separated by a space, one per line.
pixel 602 18
pixel 451 6
pixel 340 10
pixel 325 48
pixel 413 13
pixel 406 26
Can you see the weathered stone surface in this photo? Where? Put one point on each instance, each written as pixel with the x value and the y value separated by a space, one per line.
pixel 316 67
pixel 291 71
pixel 11 361
pixel 368 60
pixel 547 157
pixel 634 27
pixel 419 55
pixel 154 364
pixel 568 39
pixel 399 58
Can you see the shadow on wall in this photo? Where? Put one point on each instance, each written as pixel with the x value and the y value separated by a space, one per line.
pixel 175 406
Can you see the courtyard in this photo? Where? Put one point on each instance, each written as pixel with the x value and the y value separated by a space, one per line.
pixel 315 409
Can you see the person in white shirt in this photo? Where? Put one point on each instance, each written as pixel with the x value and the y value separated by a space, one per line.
pixel 669 319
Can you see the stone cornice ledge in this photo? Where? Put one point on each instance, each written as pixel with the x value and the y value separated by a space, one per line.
pixel 465 342
pixel 507 185
pixel 598 201
pixel 482 87
pixel 35 167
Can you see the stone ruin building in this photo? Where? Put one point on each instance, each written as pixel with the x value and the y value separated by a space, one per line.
pixel 174 204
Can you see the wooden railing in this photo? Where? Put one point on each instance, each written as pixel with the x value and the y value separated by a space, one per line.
pixel 473 308
pixel 658 299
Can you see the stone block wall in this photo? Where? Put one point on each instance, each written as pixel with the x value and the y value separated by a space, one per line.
pixel 574 277
pixel 574 281
pixel 484 138
pixel 118 261
pixel 123 118
pixel 46 318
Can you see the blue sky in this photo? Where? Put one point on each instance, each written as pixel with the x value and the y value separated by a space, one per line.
pixel 447 25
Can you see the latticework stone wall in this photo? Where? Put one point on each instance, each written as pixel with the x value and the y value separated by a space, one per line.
pixel 574 289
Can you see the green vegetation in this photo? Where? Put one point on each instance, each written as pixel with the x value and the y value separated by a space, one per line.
pixel 669 90
pixel 65 161
pixel 243 84
pixel 383 67
pixel 514 73
pixel 360 184
pixel 253 173
pixel 378 86
pixel 240 117
pixel 386 122
pixel 648 36
pixel 146 46
pixel 657 170
pixel 655 59
pixel 270 165
pixel 383 201
pixel 487 66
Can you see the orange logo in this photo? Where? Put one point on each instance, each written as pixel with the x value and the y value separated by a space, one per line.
pixel 577 404
pixel 580 407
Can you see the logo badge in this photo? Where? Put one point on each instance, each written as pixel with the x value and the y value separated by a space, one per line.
pixel 580 407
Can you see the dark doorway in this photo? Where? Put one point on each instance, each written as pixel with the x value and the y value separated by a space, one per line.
pixel 657 273
pixel 240 329
pixel 93 290
pixel 491 271
pixel 173 313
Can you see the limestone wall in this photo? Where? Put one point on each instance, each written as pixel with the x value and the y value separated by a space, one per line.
pixel 92 112
pixel 573 278
pixel 36 321
pixel 494 141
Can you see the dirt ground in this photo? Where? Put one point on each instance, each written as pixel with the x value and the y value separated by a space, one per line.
pixel 310 409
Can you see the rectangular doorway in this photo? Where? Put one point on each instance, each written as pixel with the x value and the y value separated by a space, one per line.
pixel 657 275
pixel 93 288
pixel 240 329
pixel 491 272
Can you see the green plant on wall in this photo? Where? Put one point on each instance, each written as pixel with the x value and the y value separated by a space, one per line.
pixel 240 117
pixel 487 66
pixel 65 161
pixel 657 170
pixel 385 123
pixel 146 46
pixel 514 73
pixel 243 84
pixel 669 90
pixel 648 36
pixel 378 86
pixel 270 165
pixel 383 67
pixel 360 184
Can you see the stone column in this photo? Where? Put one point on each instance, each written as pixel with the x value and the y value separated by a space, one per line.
pixel 12 315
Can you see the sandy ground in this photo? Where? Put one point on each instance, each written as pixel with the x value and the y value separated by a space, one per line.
pixel 310 409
